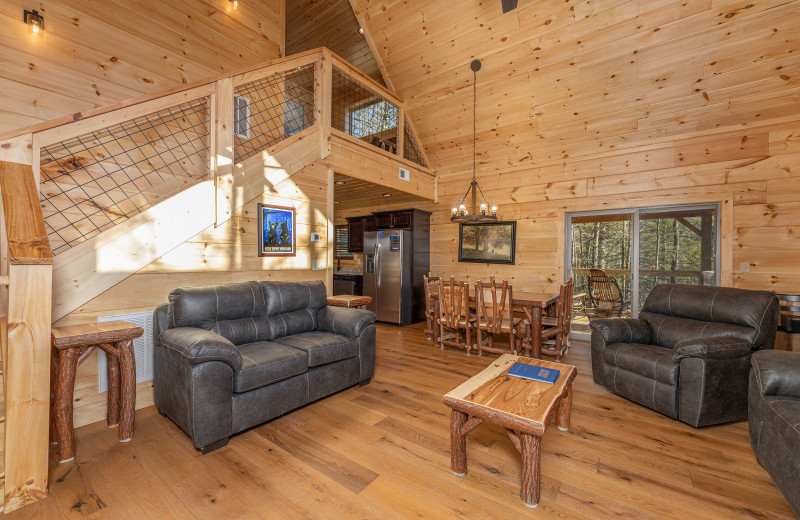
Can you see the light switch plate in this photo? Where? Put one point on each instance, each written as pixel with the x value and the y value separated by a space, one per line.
pixel 315 237
pixel 318 265
pixel 744 267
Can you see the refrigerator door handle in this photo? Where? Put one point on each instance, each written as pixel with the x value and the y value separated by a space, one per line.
pixel 378 267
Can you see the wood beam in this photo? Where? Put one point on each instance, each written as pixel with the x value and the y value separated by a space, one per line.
pixel 362 22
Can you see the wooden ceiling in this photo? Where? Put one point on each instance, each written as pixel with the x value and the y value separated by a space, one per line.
pixel 330 23
pixel 356 194
pixel 562 79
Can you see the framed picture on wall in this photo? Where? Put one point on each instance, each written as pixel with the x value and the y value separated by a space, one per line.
pixel 488 243
pixel 276 231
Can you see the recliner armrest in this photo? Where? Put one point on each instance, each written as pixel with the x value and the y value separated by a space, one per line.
pixel 344 321
pixel 200 345
pixel 712 347
pixel 622 330
pixel 777 372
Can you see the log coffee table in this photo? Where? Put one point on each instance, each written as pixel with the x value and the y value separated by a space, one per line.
pixel 518 405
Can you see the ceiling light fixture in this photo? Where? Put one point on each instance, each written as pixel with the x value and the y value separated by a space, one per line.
pixel 483 213
pixel 34 20
pixel 360 30
pixel 340 182
pixel 387 194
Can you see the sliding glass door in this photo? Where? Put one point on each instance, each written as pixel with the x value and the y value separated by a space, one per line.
pixel 617 257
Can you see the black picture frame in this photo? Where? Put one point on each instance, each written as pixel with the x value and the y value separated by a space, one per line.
pixel 494 231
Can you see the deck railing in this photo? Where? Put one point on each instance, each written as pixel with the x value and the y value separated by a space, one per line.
pixel 75 184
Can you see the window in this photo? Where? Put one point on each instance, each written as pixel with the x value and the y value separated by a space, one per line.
pixel 293 118
pixel 372 118
pixel 639 248
pixel 241 117
pixel 341 237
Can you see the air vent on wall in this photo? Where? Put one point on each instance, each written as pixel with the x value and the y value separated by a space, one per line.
pixel 142 349
pixel 241 116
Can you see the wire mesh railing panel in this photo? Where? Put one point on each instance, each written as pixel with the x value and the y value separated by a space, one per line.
pixel 361 112
pixel 271 109
pixel 411 147
pixel 95 181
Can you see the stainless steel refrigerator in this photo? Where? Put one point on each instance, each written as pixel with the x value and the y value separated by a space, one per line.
pixel 388 274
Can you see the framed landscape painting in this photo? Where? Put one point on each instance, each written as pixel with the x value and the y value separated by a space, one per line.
pixel 276 232
pixel 492 243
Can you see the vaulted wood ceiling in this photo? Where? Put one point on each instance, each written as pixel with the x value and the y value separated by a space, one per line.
pixel 567 78
pixel 330 23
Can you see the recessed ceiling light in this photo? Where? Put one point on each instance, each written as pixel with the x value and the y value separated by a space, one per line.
pixel 340 182
pixel 387 194
pixel 360 30
pixel 337 202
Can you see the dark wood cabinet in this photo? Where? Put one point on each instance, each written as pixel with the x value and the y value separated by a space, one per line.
pixel 355 234
pixel 395 220
pixel 370 224
pixel 383 220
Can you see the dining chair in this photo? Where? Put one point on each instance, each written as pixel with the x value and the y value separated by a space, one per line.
pixel 555 330
pixel 496 318
pixel 430 284
pixel 454 314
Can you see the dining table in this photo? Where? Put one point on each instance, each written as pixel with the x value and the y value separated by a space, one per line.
pixel 533 304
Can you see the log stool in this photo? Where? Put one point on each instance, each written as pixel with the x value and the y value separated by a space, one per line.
pixel 347 300
pixel 115 338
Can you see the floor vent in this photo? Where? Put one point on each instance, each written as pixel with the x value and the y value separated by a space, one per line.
pixel 142 348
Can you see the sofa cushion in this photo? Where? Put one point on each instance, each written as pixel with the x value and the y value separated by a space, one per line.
pixel 283 297
pixel 265 362
pixel 235 311
pixel 667 330
pixel 294 322
pixel 649 361
pixel 782 416
pixel 322 347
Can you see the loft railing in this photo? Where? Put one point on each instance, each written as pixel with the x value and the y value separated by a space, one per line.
pixel 76 184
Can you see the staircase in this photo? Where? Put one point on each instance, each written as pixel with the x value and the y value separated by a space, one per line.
pixel 92 198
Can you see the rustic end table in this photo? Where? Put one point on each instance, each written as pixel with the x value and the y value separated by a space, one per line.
pixel 522 406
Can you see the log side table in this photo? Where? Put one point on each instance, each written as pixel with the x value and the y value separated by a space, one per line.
pixel 115 338
pixel 518 405
pixel 348 300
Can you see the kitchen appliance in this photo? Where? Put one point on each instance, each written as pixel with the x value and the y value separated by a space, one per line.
pixel 388 274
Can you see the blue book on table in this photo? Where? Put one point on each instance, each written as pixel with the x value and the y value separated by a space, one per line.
pixel 537 373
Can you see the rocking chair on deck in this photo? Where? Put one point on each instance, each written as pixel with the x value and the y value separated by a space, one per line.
pixel 605 296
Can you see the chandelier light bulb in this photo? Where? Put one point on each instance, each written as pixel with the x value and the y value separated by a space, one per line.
pixel 494 208
pixel 483 207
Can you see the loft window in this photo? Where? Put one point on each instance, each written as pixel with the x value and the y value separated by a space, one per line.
pixel 372 118
pixel 241 116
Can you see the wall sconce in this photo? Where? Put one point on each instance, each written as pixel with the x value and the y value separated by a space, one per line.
pixel 35 22
pixel 235 3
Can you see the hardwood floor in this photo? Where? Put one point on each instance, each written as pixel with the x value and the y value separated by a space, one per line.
pixel 382 451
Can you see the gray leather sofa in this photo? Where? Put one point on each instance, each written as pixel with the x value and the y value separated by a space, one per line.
pixel 774 417
pixel 688 354
pixel 230 357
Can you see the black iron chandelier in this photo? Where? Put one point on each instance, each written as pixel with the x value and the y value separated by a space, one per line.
pixel 476 213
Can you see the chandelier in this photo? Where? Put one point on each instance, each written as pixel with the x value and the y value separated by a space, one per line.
pixel 476 213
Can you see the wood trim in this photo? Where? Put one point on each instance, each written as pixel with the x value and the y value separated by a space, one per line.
pixel 362 22
pixel 223 160
pixel 27 235
pixel 349 139
pixel 401 132
pixel 292 62
pixel 371 83
pixel 17 149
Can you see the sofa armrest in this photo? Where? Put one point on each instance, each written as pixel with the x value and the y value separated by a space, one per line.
pixel 200 345
pixel 712 347
pixel 777 372
pixel 344 321
pixel 622 330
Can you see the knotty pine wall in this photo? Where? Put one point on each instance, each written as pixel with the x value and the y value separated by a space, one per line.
pixel 599 104
pixel 95 53
pixel 225 254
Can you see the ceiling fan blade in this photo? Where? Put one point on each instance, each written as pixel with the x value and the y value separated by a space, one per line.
pixel 509 5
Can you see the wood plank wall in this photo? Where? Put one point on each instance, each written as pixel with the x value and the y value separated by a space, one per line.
pixel 222 255
pixel 596 104
pixel 95 53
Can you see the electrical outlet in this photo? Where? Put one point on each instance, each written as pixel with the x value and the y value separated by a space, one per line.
pixel 318 265
pixel 744 267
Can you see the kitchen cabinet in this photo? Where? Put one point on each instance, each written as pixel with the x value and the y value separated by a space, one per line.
pixel 355 234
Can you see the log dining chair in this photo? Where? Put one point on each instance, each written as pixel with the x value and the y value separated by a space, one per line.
pixel 454 315
pixel 495 316
pixel 605 296
pixel 431 285
pixel 555 330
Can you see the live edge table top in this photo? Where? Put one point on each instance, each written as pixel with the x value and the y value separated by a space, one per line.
pixel 514 402
pixel 94 333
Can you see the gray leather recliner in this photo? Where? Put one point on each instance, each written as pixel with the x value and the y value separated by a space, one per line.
pixel 774 419
pixel 230 357
pixel 688 354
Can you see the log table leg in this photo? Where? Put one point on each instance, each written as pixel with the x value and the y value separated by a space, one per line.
pixel 112 371
pixel 531 456
pixel 53 383
pixel 458 443
pixel 564 410
pixel 65 384
pixel 127 365
pixel 536 332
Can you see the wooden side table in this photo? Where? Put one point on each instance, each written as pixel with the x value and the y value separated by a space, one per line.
pixel 115 338
pixel 522 406
pixel 348 300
